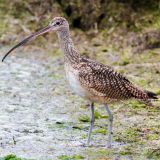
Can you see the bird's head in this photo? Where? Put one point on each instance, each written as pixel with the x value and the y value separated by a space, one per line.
pixel 57 24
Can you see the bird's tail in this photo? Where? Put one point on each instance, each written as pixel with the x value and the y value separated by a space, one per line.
pixel 151 95
pixel 143 95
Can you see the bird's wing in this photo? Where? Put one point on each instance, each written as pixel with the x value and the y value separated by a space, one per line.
pixel 103 81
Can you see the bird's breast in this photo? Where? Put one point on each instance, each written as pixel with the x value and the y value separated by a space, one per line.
pixel 72 77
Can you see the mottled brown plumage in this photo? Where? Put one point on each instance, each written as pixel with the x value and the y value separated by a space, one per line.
pixel 106 84
pixel 90 79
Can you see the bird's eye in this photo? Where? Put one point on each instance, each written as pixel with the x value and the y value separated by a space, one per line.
pixel 57 23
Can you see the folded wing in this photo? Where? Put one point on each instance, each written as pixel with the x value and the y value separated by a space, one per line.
pixel 103 81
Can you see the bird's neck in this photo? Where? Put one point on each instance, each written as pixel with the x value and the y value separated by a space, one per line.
pixel 67 46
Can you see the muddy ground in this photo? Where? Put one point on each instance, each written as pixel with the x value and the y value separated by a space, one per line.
pixel 41 119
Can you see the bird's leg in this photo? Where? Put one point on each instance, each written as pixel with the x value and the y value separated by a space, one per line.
pixel 109 126
pixel 91 123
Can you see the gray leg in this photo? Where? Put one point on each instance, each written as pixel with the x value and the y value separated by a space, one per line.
pixel 91 124
pixel 109 126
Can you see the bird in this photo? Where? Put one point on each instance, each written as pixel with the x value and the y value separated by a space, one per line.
pixel 91 80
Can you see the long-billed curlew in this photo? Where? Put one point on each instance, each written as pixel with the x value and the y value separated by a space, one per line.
pixel 90 79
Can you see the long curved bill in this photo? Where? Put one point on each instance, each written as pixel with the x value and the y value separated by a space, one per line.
pixel 28 39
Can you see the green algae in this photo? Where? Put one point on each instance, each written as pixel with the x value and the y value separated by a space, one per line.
pixel 129 135
pixel 100 131
pixel 74 157
pixel 136 104
pixel 153 136
pixel 152 153
pixel 13 157
pixel 126 151
pixel 84 118
pixel 158 92
pixel 125 61
pixel 100 154
pixel 79 127
pixel 98 115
